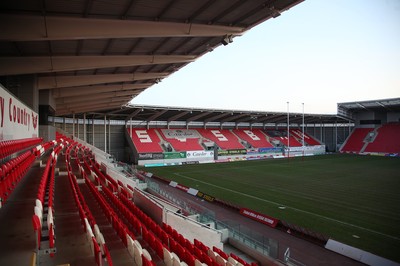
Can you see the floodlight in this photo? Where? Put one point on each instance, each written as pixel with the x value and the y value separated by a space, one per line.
pixel 274 12
pixel 227 39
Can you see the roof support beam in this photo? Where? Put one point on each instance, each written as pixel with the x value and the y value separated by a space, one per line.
pixel 211 119
pixel 94 102
pixel 90 108
pixel 151 118
pixel 83 90
pixel 53 82
pixel 173 118
pixel 48 64
pixel 233 117
pixel 93 97
pixel 38 28
pixel 133 114
pixel 194 118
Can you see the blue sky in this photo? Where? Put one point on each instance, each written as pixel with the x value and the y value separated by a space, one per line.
pixel 318 53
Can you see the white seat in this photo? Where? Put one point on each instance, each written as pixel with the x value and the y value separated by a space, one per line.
pixel 167 257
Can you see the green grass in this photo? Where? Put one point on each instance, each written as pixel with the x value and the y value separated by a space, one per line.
pixel 336 195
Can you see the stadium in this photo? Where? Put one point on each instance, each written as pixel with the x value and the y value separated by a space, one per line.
pixel 88 178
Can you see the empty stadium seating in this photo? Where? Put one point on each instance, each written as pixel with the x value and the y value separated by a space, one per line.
pixel 292 141
pixel 12 172
pixel 307 138
pixel 44 204
pixel 387 139
pixel 8 147
pixel 224 138
pixel 145 140
pixel 183 144
pixel 255 137
pixel 355 141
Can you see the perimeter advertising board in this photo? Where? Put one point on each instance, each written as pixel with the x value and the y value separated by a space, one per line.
pixel 199 154
pixel 231 152
pixel 151 156
pixel 262 218
pixel 175 155
pixel 17 121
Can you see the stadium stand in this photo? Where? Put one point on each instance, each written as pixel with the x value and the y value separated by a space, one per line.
pixel 224 138
pixel 355 141
pixel 387 139
pixel 183 144
pixel 256 138
pixel 292 141
pixel 145 140
pixel 307 138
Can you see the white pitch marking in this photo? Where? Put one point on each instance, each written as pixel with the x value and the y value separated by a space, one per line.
pixel 295 209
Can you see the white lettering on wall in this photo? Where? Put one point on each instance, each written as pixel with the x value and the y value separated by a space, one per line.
pixel 143 136
pixel 251 135
pixel 219 135
pixel 17 120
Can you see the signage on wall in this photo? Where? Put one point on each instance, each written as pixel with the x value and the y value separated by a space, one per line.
pixel 17 121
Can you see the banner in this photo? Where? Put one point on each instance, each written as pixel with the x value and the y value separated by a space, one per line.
pixel 179 186
pixel 190 162
pixel 174 155
pixel 145 156
pixel 151 156
pixel 17 121
pixel 205 196
pixel 259 217
pixel 199 154
pixel 180 133
pixel 231 152
pixel 269 150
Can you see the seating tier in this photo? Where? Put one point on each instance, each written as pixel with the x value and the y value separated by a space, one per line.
pixel 291 142
pixel 307 138
pixel 255 137
pixel 224 138
pixel 387 139
pixel 145 140
pixel 355 141
pixel 182 139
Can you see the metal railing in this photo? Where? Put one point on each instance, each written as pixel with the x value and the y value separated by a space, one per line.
pixel 245 235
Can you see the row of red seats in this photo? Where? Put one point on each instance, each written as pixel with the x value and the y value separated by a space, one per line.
pixel 46 187
pixel 119 226
pixel 171 239
pixel 307 138
pixel 355 141
pixel 134 222
pixel 291 142
pixel 387 139
pixel 254 137
pixel 130 221
pixel 184 144
pixel 174 242
pixel 88 222
pixel 8 147
pixel 12 172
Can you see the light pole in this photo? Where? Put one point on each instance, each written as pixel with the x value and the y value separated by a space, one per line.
pixel 288 139
pixel 303 126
